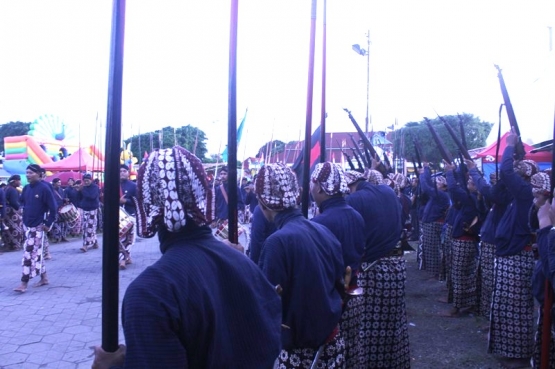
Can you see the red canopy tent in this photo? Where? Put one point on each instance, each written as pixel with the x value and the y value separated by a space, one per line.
pixel 488 154
pixel 81 161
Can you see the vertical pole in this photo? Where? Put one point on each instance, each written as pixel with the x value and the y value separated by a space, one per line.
pixel 232 125
pixel 367 82
pixel 110 236
pixel 323 108
pixel 305 198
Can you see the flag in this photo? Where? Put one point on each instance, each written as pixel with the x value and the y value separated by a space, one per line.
pixel 314 156
pixel 239 134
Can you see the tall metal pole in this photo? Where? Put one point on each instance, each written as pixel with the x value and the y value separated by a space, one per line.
pixel 323 108
pixel 367 81
pixel 110 236
pixel 232 125
pixel 308 126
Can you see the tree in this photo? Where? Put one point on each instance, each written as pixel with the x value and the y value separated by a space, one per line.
pixel 191 138
pixel 13 129
pixel 272 148
pixel 475 131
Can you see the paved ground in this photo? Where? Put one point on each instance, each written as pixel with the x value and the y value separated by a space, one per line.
pixel 54 326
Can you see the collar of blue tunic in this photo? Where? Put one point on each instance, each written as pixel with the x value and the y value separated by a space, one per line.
pixel 285 216
pixel 190 232
pixel 332 202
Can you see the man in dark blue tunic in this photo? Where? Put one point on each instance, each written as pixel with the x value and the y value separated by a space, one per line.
pixel 203 304
pixel 222 197
pixel 512 314
pixel 382 275
pixel 304 259
pixel 13 236
pixel 37 200
pixel 327 187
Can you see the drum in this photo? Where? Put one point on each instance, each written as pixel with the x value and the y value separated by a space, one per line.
pixel 125 223
pixel 223 230
pixel 68 213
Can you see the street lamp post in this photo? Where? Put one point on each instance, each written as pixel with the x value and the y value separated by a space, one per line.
pixel 365 52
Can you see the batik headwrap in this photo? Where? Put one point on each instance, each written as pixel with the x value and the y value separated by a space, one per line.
pixel 277 187
pixel 331 178
pixel 541 184
pixel 374 177
pixel 526 168
pixel 351 176
pixel 172 189
pixel 441 180
pixel 399 180
pixel 34 168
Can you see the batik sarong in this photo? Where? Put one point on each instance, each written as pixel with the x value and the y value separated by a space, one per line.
pixel 350 325
pixel 126 241
pixel 463 272
pixel 511 331
pixel 89 227
pixel 333 356
pixel 59 229
pixel 445 252
pixel 536 358
pixel 32 262
pixel 431 241
pixel 485 278
pixel 76 227
pixel 13 234
pixel 384 333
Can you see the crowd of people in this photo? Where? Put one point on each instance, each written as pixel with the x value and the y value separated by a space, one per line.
pixel 42 212
pixel 327 291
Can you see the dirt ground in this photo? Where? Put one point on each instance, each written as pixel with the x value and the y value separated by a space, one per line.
pixel 438 342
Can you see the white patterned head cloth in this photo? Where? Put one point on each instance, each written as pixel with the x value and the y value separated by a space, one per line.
pixel 526 168
pixel 374 177
pixel 277 187
pixel 172 189
pixel 331 178
pixel 352 176
pixel 441 180
pixel 541 184
pixel 389 182
pixel 399 179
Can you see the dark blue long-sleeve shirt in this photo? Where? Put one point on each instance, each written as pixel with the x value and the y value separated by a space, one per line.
pixel 438 203
pixel 381 212
pixel 2 204
pixel 513 232
pixel 129 190
pixel 58 196
pixel 348 227
pixel 73 195
pixel 202 305
pixel 466 203
pixel 498 197
pixel 304 258
pixel 12 197
pixel 37 200
pixel 221 203
pixel 89 197
pixel 261 229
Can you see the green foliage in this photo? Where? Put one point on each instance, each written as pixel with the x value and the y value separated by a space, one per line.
pixel 191 138
pixel 475 131
pixel 274 147
pixel 13 129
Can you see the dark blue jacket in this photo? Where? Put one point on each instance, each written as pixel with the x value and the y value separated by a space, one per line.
pixel 129 190
pixel 381 212
pixel 498 197
pixel 261 229
pixel 221 203
pixel 438 203
pixel 466 203
pixel 89 197
pixel 201 305
pixel 2 203
pixel 12 197
pixel 304 258
pixel 73 195
pixel 513 232
pixel 348 227
pixel 37 200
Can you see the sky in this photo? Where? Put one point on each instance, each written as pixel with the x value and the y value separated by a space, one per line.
pixel 425 56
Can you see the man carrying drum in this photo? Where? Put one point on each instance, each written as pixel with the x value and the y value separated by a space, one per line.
pixel 128 190
pixel 37 200
pixel 89 195
pixel 59 228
